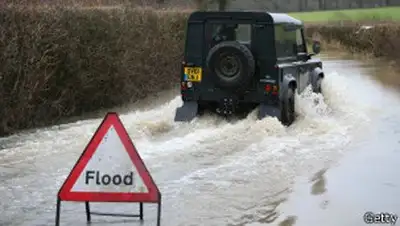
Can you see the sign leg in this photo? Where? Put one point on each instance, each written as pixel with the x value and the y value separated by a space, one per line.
pixel 87 207
pixel 58 211
pixel 141 211
pixel 159 213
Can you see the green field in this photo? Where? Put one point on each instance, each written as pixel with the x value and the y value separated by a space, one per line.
pixel 383 14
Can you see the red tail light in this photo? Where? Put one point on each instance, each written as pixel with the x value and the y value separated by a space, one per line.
pixel 183 86
pixel 274 89
pixel 268 88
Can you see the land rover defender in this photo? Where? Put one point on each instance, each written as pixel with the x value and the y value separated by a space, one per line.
pixel 235 62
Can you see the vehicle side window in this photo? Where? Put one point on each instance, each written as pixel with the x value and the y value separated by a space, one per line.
pixel 285 42
pixel 301 46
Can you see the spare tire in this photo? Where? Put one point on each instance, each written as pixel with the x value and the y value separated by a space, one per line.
pixel 232 64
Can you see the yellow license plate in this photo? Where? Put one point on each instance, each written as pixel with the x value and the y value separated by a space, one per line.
pixel 193 74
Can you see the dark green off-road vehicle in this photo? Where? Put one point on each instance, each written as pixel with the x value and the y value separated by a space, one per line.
pixel 235 62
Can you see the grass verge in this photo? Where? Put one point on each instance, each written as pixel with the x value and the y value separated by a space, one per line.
pixel 374 14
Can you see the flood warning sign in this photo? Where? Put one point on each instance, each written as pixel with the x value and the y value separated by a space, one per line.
pixel 110 169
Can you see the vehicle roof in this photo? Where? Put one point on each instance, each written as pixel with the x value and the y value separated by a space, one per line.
pixel 262 16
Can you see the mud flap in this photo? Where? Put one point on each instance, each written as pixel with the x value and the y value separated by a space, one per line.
pixel 268 110
pixel 187 112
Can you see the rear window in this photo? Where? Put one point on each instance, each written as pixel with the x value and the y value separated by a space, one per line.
pixel 218 32
pixel 243 33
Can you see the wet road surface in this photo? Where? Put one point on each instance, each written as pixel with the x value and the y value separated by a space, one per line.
pixel 249 172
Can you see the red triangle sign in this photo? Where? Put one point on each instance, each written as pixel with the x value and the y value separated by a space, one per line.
pixel 110 169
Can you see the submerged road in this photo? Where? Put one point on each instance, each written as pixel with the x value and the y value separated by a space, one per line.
pixel 336 162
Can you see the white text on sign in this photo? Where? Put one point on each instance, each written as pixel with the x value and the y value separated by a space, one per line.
pixel 105 179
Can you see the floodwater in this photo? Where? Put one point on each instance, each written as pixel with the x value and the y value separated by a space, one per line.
pixel 335 163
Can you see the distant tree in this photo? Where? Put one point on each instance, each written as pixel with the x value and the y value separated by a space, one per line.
pixel 222 4
pixel 360 3
pixel 321 4
pixel 201 4
pixel 300 5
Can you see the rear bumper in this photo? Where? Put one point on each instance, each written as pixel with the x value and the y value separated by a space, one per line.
pixel 190 109
pixel 227 108
pixel 219 96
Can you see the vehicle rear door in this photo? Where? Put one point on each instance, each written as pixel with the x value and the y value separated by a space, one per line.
pixel 192 65
pixel 213 35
